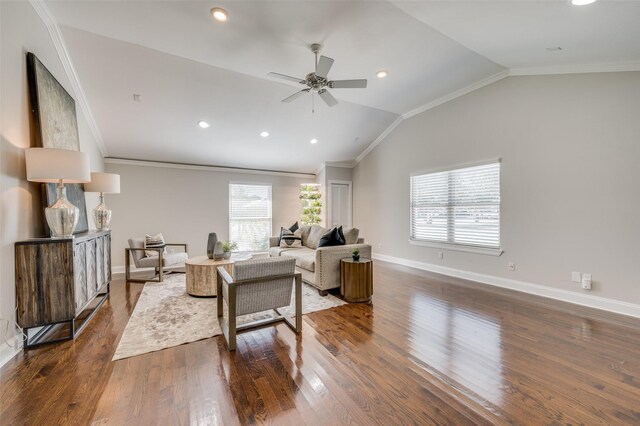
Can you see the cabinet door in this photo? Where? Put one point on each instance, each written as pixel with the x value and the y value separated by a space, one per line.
pixel 80 275
pixel 101 276
pixel 91 269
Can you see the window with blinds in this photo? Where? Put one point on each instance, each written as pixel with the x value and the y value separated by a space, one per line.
pixel 250 216
pixel 460 206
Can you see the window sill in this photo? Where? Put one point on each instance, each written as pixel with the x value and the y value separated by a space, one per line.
pixel 458 247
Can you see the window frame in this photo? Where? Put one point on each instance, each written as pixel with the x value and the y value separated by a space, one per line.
pixel 447 245
pixel 270 185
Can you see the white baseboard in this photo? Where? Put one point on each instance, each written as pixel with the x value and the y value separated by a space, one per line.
pixel 8 352
pixel 588 300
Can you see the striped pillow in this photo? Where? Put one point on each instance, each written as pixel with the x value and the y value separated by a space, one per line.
pixel 157 241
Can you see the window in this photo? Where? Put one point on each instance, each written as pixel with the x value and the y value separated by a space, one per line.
pixel 460 206
pixel 250 216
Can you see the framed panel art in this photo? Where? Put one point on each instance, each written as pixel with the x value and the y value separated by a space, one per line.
pixel 55 126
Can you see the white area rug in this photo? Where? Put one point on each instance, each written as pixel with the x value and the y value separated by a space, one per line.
pixel 167 316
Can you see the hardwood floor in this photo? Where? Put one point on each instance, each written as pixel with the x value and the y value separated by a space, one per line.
pixel 427 351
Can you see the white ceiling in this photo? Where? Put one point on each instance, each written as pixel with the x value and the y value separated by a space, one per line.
pixel 188 68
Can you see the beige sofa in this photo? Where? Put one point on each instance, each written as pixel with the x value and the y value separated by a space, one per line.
pixel 320 266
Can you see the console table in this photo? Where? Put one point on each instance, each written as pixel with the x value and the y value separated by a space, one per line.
pixel 356 279
pixel 57 280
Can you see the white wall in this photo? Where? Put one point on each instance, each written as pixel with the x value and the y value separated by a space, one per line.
pixel 570 149
pixel 22 31
pixel 186 204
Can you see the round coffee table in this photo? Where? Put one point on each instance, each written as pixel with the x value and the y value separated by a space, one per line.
pixel 201 273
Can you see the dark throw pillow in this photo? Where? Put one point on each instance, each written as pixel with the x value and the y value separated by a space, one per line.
pixel 332 238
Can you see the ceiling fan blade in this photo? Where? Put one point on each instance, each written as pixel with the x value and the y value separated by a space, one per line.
pixel 327 97
pixel 348 84
pixel 287 77
pixel 324 65
pixel 296 95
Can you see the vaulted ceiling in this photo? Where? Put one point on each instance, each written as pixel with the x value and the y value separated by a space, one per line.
pixel 187 67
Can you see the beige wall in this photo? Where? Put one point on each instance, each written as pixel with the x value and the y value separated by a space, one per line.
pixel 22 31
pixel 570 149
pixel 186 204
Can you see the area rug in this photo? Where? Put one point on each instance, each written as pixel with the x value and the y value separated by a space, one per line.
pixel 167 316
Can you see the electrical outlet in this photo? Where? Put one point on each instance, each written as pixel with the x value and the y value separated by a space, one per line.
pixel 586 281
pixel 576 277
pixel 512 266
pixel 440 255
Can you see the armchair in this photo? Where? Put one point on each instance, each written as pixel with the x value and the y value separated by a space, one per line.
pixel 136 250
pixel 258 285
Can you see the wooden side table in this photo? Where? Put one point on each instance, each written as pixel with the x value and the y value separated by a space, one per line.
pixel 356 279
pixel 201 273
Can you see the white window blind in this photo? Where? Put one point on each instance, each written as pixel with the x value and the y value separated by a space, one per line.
pixel 250 216
pixel 460 206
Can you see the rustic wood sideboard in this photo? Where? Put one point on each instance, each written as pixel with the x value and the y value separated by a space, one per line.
pixel 61 280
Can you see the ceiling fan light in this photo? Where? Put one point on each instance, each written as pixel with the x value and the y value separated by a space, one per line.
pixel 219 14
pixel 582 2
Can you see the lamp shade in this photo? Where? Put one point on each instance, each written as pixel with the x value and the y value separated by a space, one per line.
pixel 53 165
pixel 103 182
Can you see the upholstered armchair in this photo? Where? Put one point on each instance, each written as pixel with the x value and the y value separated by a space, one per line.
pixel 137 250
pixel 257 285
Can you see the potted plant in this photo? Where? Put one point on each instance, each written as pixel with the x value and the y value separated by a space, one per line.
pixel 228 247
pixel 355 253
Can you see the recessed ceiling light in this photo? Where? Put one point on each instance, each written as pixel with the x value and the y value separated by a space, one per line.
pixel 581 2
pixel 203 124
pixel 264 134
pixel 219 14
pixel 381 74
pixel 314 140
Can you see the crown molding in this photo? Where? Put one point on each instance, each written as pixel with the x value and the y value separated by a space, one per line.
pixel 577 69
pixel 379 139
pixel 56 37
pixel 446 98
pixel 456 94
pixel 185 166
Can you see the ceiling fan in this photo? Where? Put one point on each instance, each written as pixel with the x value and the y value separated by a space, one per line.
pixel 318 81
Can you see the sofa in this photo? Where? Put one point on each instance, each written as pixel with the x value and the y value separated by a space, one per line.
pixel 320 266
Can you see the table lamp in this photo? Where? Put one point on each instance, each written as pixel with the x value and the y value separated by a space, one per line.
pixel 49 165
pixel 104 183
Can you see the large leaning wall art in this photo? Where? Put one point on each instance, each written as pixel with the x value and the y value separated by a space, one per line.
pixel 55 126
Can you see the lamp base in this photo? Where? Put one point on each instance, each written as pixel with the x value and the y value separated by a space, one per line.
pixel 62 216
pixel 102 215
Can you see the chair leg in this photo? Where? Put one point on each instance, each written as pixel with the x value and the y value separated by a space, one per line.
pixel 298 303
pixel 127 265
pixel 219 294
pixel 231 342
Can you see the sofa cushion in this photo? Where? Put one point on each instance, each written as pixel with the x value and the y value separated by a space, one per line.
pixel 351 235
pixel 315 234
pixel 332 238
pixel 277 251
pixel 305 258
pixel 304 233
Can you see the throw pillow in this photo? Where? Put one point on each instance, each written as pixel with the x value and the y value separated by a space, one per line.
pixel 315 234
pixel 290 239
pixel 351 235
pixel 332 238
pixel 156 241
pixel 293 228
